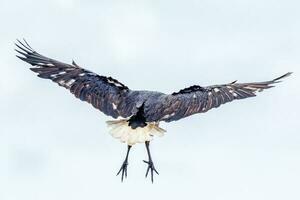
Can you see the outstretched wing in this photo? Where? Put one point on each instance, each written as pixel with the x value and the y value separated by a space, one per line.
pixel 197 99
pixel 104 93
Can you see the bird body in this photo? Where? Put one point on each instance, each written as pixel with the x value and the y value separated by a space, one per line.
pixel 138 111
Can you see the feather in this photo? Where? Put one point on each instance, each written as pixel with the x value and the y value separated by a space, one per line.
pixel 121 130
pixel 116 100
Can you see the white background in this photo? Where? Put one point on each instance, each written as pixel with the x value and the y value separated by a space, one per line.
pixel 53 146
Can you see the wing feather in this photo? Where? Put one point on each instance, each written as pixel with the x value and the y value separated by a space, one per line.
pixel 117 100
pixel 104 93
pixel 197 99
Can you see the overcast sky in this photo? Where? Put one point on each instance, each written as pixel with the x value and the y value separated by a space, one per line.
pixel 53 146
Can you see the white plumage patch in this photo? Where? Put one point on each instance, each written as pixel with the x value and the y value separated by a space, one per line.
pixel 216 90
pixel 120 130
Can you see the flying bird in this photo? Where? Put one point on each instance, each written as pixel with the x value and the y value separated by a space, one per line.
pixel 139 112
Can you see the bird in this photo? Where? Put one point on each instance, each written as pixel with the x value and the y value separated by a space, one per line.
pixel 136 113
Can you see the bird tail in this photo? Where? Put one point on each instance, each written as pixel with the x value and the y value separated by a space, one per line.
pixel 120 129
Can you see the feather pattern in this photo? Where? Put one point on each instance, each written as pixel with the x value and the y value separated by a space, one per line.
pixel 197 99
pixel 117 100
pixel 104 93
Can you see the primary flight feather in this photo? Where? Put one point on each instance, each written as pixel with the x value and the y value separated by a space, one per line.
pixel 140 111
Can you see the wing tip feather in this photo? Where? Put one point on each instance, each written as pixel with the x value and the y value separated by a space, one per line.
pixel 277 80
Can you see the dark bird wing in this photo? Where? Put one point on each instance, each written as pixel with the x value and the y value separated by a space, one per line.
pixel 197 99
pixel 104 93
pixel 115 99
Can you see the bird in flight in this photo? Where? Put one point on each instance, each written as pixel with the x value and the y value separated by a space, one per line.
pixel 139 112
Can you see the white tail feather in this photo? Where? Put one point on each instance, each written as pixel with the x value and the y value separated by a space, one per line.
pixel 121 130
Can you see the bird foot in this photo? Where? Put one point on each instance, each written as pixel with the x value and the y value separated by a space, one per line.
pixel 123 169
pixel 150 168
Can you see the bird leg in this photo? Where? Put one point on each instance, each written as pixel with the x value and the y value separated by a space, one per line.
pixel 124 165
pixel 151 167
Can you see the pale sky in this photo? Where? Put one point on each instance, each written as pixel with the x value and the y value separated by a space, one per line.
pixel 53 146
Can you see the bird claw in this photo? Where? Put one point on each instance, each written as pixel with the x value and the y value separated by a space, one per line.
pixel 123 169
pixel 150 168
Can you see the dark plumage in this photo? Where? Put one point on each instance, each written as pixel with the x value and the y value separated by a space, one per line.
pixel 139 108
